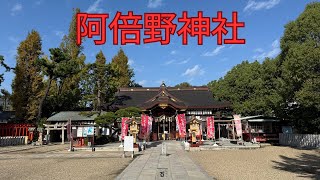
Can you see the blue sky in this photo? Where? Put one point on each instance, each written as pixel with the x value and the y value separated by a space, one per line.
pixel 153 63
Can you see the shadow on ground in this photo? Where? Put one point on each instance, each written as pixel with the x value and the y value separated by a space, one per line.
pixel 306 165
pixel 154 144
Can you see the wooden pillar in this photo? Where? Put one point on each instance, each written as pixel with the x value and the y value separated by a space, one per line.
pixel 158 130
pixel 169 130
pixel 233 130
pixel 48 135
pixel 62 135
pixel 219 130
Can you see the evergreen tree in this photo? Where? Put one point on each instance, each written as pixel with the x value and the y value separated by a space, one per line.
pixel 120 65
pixel 287 86
pixel 59 66
pixel 101 75
pixel 97 83
pixel 5 66
pixel 27 84
pixel 300 65
pixel 183 85
pixel 6 96
pixel 65 93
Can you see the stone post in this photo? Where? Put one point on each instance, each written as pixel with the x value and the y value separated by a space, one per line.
pixel 62 135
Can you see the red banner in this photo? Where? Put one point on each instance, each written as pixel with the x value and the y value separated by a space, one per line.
pixel 238 125
pixel 181 122
pixel 144 125
pixel 124 127
pixel 210 127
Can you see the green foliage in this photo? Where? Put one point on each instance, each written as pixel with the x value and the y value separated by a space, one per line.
pixel 6 97
pixel 59 66
pixel 183 85
pixel 247 87
pixel 96 85
pixel 120 65
pixel 300 65
pixel 41 122
pixel 134 84
pixel 128 112
pixel 105 118
pixel 287 86
pixel 65 91
pixel 5 66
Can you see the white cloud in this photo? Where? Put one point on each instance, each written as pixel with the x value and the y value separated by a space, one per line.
pixel 184 61
pixel 215 52
pixel 60 34
pixel 142 82
pixel 173 52
pixel 94 8
pixel 154 3
pixel 169 62
pixel 15 9
pixel 195 71
pixel 130 62
pixel 37 3
pixel 275 50
pixel 13 39
pixel 256 6
pixel 258 50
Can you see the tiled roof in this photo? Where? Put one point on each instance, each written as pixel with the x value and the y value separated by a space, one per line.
pixel 192 98
pixel 6 116
pixel 73 115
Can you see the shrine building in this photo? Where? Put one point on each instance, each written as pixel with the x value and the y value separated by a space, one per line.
pixel 164 103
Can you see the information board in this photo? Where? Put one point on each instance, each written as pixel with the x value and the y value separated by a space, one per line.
pixel 79 131
pixel 128 143
pixel 85 131
pixel 90 131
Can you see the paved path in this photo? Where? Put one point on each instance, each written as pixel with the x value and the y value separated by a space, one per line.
pixel 176 165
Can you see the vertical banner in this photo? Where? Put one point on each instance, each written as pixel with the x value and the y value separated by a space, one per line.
pixel 181 122
pixel 210 127
pixel 238 125
pixel 149 124
pixel 124 127
pixel 144 126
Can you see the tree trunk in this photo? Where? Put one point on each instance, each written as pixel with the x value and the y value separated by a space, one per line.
pixel 43 99
pixel 99 98
pixel 5 104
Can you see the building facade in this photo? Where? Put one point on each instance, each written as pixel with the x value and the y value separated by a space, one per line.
pixel 164 103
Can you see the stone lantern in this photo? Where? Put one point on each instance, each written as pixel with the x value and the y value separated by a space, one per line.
pixel 194 129
pixel 134 130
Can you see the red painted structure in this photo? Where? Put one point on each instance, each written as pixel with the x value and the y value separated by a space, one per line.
pixel 16 130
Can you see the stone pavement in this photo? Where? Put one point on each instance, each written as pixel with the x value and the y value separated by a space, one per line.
pixel 175 165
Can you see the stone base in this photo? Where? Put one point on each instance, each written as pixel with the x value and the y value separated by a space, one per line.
pixel 194 145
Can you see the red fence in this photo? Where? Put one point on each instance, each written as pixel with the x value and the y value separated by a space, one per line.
pixel 16 130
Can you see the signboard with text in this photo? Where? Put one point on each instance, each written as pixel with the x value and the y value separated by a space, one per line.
pixel 80 132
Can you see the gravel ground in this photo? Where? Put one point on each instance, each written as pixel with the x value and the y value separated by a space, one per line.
pixel 88 168
pixel 54 162
pixel 272 162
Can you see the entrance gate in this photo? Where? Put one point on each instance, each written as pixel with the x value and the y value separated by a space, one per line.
pixel 164 128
